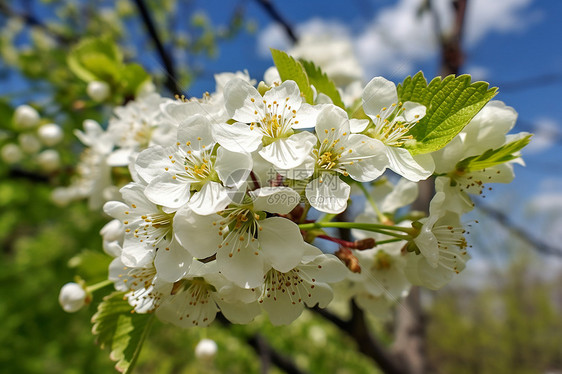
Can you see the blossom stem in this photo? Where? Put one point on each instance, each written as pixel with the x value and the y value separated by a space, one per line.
pixel 97 286
pixel 388 241
pixel 372 202
pixel 383 229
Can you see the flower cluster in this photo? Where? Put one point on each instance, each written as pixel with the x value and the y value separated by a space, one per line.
pixel 218 213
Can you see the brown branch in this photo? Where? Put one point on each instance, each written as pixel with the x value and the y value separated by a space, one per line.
pixel 359 331
pixel 266 352
pixel 171 76
pixel 267 5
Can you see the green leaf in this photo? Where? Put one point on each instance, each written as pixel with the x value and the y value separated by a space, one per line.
pixel 291 69
pixel 132 77
pixel 322 82
pixel 494 157
pixel 91 265
pixel 123 331
pixel 96 59
pixel 451 103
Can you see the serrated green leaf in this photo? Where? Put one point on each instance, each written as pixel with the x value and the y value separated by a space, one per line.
pixel 121 330
pixel 451 103
pixel 291 69
pixel 494 157
pixel 96 59
pixel 322 82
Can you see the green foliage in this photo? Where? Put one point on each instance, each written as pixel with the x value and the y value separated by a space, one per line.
pixel 91 265
pixel 96 59
pixel 123 331
pixel 493 157
pixel 99 59
pixel 291 69
pixel 451 103
pixel 512 326
pixel 322 82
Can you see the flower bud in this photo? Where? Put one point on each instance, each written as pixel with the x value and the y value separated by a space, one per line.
pixel 206 349
pixel 61 196
pixel 72 297
pixel 26 117
pixel 50 134
pixel 98 90
pixel 29 143
pixel 49 160
pixel 11 153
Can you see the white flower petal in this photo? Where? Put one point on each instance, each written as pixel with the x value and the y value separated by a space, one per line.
pixel 358 125
pixel 280 200
pixel 213 197
pixel 244 268
pixel 378 93
pixel 233 168
pixel 136 254
pixel 403 163
pixel 237 137
pixel 288 153
pixel 282 243
pixel 306 116
pixel 327 195
pixel 172 262
pixel 240 313
pixel 238 95
pixel 196 131
pixel 371 158
pixel 413 111
pixel 168 191
pixel 198 234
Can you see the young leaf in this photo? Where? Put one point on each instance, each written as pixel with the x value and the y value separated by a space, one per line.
pixel 291 69
pixel 493 157
pixel 95 59
pixel 121 330
pixel 451 103
pixel 132 77
pixel 323 84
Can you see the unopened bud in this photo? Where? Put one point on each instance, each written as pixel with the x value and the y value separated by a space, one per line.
pixel 98 90
pixel 49 160
pixel 11 153
pixel 206 349
pixel 29 143
pixel 349 259
pixel 72 297
pixel 50 134
pixel 26 117
pixel 366 243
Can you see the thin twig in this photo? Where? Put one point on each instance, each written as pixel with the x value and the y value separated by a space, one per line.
pixel 267 5
pixel 31 20
pixel 171 76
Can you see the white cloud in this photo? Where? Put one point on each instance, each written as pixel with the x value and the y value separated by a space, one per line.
pixel 399 37
pixel 486 16
pixel 545 134
pixel 273 36
pixel 478 73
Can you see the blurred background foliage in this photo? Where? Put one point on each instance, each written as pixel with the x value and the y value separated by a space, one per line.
pixel 510 324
